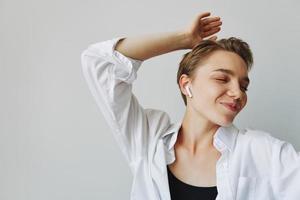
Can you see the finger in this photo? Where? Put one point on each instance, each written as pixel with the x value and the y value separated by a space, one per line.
pixel 213 38
pixel 210 19
pixel 211 32
pixel 199 17
pixel 212 25
pixel 202 15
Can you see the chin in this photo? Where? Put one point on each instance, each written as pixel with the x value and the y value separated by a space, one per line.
pixel 225 121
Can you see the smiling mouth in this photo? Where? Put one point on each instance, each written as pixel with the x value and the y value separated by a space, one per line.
pixel 230 107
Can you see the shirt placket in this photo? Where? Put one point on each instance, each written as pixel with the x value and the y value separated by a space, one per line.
pixel 222 174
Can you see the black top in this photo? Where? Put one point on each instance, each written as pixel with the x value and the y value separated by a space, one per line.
pixel 183 191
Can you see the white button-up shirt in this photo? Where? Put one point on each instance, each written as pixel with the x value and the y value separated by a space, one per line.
pixel 253 165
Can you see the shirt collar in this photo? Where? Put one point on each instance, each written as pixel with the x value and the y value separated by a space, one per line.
pixel 224 137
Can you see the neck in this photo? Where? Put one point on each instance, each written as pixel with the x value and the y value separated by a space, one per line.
pixel 196 133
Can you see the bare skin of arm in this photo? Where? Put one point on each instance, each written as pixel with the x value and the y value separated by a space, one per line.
pixel 148 46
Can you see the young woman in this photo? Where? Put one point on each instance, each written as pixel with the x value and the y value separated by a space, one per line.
pixel 204 156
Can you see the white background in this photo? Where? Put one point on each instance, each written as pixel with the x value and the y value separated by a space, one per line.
pixel 54 142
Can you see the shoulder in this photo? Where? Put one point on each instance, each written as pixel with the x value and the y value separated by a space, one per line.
pixel 257 142
pixel 262 142
pixel 254 147
pixel 266 155
pixel 156 115
pixel 255 136
pixel 158 120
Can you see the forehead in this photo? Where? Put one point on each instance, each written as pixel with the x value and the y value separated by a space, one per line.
pixel 223 62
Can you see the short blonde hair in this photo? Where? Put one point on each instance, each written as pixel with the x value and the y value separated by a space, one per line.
pixel 192 59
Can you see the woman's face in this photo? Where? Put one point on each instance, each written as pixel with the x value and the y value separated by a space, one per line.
pixel 219 87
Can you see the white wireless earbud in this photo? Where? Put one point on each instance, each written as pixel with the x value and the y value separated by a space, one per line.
pixel 188 91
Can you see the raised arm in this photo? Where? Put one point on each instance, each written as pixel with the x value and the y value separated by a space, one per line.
pixel 110 67
pixel 147 46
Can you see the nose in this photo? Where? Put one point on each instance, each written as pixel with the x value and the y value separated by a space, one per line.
pixel 236 92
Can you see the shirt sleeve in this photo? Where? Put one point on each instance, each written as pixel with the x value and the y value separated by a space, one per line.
pixel 286 169
pixel 109 75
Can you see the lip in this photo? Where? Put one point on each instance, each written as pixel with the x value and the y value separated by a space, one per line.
pixel 231 106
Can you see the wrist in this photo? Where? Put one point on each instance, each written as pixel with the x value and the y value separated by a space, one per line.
pixel 184 40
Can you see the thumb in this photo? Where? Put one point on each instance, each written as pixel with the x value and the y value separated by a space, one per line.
pixel 213 38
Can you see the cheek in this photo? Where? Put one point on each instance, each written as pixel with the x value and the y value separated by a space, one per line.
pixel 211 93
pixel 216 91
pixel 208 91
pixel 244 102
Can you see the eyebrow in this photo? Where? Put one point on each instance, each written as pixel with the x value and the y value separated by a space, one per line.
pixel 227 71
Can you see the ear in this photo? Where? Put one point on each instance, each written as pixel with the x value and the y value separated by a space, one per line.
pixel 184 80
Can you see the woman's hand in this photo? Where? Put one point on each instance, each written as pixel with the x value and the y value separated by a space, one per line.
pixel 202 27
pixel 148 46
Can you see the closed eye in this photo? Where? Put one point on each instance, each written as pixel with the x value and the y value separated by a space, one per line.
pixel 222 80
